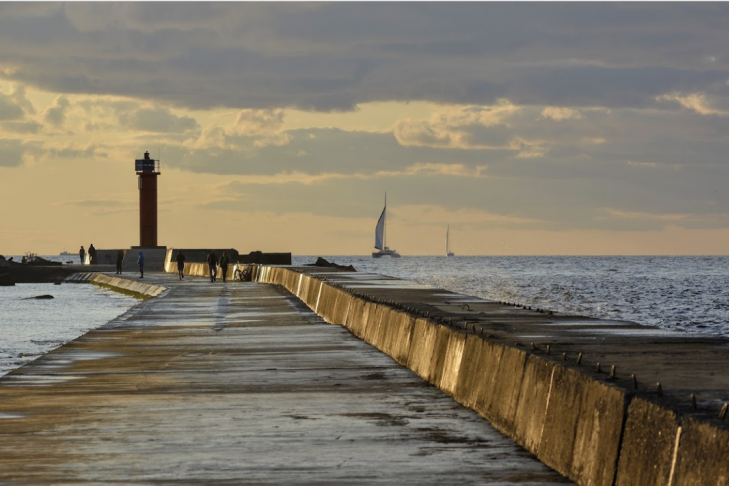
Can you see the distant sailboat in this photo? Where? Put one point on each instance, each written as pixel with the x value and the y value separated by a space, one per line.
pixel 380 235
pixel 448 251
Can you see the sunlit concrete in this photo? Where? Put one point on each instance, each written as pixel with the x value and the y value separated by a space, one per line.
pixel 239 383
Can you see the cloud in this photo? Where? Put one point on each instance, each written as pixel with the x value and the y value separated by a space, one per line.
pixel 650 220
pixel 557 113
pixel 696 102
pixel 20 97
pixel 75 152
pixel 454 127
pixel 9 109
pixel 676 217
pixel 156 120
pixel 95 203
pixel 11 152
pixel 21 126
pixel 333 57
pixel 56 114
pixel 257 122
pixel 428 169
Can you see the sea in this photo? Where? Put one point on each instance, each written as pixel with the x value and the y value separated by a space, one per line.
pixel 29 328
pixel 678 293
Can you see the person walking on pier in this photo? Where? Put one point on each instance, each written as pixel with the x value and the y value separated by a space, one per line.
pixel 119 259
pixel 140 262
pixel 92 254
pixel 212 263
pixel 180 264
pixel 224 265
pixel 82 255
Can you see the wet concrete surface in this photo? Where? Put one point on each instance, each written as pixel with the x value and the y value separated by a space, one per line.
pixel 239 383
pixel 683 363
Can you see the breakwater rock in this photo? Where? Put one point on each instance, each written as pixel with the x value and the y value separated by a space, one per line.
pixel 6 280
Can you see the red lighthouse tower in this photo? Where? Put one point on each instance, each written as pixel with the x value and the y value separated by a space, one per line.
pixel 147 169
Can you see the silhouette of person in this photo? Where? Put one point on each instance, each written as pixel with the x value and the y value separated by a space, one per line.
pixel 224 265
pixel 82 255
pixel 180 264
pixel 119 259
pixel 140 262
pixel 212 264
pixel 92 254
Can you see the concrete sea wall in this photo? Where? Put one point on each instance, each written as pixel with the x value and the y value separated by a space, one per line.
pixel 132 287
pixel 589 431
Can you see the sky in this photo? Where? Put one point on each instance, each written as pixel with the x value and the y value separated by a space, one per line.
pixel 528 128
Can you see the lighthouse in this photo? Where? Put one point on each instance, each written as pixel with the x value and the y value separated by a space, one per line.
pixel 147 171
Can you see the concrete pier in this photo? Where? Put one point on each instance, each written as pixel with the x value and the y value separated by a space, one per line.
pixel 652 412
pixel 238 383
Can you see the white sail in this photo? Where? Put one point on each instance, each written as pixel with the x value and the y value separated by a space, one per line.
pixel 447 231
pixel 448 246
pixel 380 231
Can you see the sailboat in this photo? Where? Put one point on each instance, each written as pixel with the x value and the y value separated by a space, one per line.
pixel 380 235
pixel 448 251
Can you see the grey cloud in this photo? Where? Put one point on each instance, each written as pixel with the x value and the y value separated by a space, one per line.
pixel 101 205
pixel 316 151
pixel 333 56
pixel 21 99
pixel 551 203
pixel 21 126
pixel 11 152
pixel 56 114
pixel 157 120
pixel 9 109
pixel 92 151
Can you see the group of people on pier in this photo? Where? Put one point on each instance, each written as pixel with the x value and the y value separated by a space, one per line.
pixel 213 264
pixel 212 261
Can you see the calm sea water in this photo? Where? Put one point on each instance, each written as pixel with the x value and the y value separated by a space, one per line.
pixel 676 293
pixel 31 328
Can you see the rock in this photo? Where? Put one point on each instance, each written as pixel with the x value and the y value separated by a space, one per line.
pixel 42 297
pixel 321 262
pixel 6 280
pixel 42 262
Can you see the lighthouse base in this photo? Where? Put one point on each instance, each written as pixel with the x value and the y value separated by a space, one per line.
pixel 154 259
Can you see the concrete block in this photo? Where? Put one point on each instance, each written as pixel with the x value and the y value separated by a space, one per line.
pixel 531 408
pixel 129 285
pixel 487 372
pixel 355 317
pixel 373 325
pixel 452 362
pixel 438 355
pixel 470 371
pixel 401 344
pixel 326 304
pixel 368 320
pixel 421 347
pixel 312 292
pixel 378 333
pixel 648 443
pixel 582 428
pixel 508 370
pixel 701 443
pixel 341 307
pixel 388 330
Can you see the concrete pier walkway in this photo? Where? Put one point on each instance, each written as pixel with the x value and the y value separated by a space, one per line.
pixel 239 383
